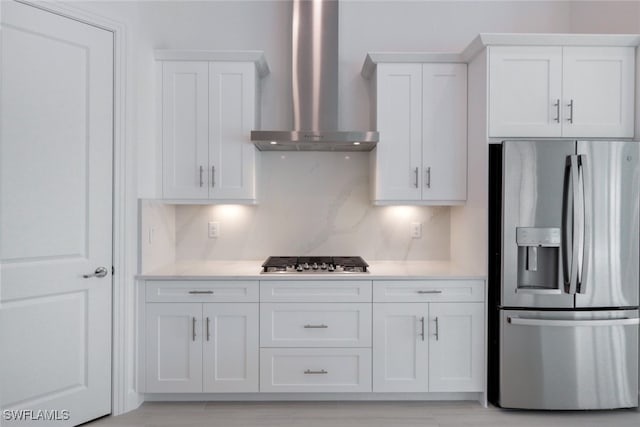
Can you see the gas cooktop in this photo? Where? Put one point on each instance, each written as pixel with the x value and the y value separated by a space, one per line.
pixel 314 264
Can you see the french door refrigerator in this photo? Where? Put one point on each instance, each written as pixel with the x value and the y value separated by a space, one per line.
pixel 563 274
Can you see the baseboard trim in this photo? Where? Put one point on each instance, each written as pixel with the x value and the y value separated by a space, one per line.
pixel 259 397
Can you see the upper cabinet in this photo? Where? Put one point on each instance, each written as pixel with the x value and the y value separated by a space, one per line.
pixel 561 91
pixel 420 110
pixel 209 104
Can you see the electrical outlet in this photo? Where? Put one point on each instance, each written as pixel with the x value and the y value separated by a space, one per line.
pixel 214 230
pixel 416 230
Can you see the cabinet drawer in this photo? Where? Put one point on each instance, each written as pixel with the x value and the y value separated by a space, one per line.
pixel 201 291
pixel 315 325
pixel 428 290
pixel 315 291
pixel 315 370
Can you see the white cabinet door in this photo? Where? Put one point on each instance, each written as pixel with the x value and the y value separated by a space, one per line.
pixel 400 347
pixel 456 347
pixel 525 84
pixel 598 91
pixel 185 119
pixel 444 132
pixel 173 347
pixel 232 156
pixel 399 118
pixel 230 347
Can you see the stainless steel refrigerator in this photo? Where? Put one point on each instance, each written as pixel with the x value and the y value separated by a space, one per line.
pixel 564 274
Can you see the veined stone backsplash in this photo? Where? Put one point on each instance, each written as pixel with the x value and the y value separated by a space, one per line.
pixel 312 204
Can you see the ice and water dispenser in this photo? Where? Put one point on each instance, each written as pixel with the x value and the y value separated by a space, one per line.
pixel 538 258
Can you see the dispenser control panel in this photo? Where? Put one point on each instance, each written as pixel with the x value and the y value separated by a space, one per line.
pixel 538 236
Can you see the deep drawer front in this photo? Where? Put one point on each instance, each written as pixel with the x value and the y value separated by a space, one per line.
pixel 315 325
pixel 202 291
pixel 315 370
pixel 315 291
pixel 428 290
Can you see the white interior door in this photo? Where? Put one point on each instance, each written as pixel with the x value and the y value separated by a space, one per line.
pixel 56 144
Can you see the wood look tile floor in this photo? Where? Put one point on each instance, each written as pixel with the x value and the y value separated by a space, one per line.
pixel 357 414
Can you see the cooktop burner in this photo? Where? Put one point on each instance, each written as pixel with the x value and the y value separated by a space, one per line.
pixel 314 264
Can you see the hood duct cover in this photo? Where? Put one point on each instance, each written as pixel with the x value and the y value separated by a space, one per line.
pixel 314 70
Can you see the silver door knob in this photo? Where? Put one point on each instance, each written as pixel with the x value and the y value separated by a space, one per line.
pixel 100 272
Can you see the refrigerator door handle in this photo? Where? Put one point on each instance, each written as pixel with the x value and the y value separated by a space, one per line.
pixel 568 222
pixel 587 206
pixel 523 321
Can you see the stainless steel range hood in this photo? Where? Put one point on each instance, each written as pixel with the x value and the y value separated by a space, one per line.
pixel 315 87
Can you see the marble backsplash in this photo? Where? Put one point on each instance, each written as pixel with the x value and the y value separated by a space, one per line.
pixel 312 204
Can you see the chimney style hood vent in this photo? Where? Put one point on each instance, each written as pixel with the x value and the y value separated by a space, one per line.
pixel 314 71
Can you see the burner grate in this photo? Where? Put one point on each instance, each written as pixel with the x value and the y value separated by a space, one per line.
pixel 314 264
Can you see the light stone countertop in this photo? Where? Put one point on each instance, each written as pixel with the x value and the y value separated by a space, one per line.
pixel 378 270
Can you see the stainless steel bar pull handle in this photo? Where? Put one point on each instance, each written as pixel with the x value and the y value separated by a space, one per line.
pixel 310 372
pixel 587 191
pixel 100 272
pixel 213 176
pixel 200 292
pixel 322 326
pixel 428 177
pixel 437 334
pixel 557 105
pixel 415 172
pixel 570 225
pixel 431 291
pixel 208 331
pixel 193 328
pixel 570 105
pixel 523 321
pixel 422 328
pixel 201 177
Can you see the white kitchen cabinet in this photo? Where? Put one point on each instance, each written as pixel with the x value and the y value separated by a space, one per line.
pixel 400 347
pixel 337 370
pixel 208 111
pixel 561 91
pixel 173 347
pixel 315 325
pixel 428 346
pixel 456 347
pixel 315 335
pixel 201 346
pixel 421 114
pixel 230 352
pixel 185 130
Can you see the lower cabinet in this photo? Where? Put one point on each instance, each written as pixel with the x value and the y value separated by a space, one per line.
pixel 400 347
pixel 428 346
pixel 412 336
pixel 201 347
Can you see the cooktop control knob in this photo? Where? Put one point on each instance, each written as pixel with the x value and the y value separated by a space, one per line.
pixel 315 266
pixel 299 268
pixel 323 266
pixel 306 266
pixel 331 267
